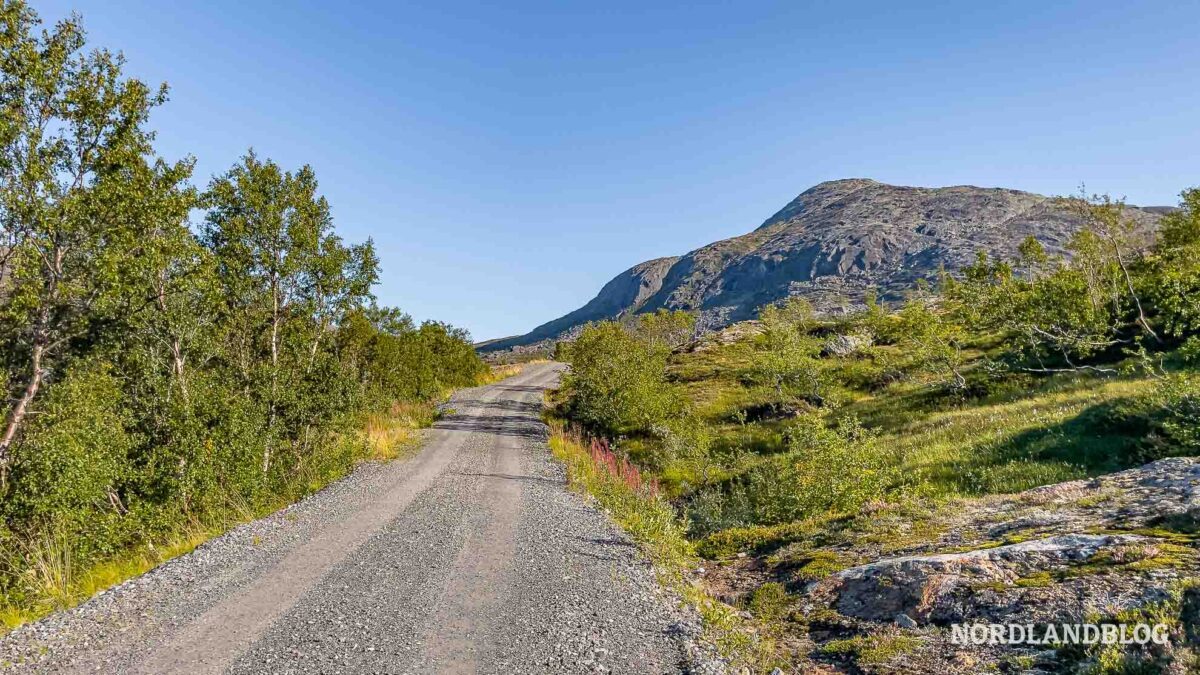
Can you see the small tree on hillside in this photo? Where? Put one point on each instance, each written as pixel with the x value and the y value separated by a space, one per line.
pixel 1061 314
pixel 932 340
pixel 617 383
pixel 788 357
pixel 666 328
pixel 1172 281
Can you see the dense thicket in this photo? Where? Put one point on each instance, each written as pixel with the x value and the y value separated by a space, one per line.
pixel 157 371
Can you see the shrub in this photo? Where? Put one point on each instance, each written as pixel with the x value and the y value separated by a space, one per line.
pixel 1172 282
pixel 1177 413
pixel 70 468
pixel 787 357
pixel 824 469
pixel 617 383
pixel 769 601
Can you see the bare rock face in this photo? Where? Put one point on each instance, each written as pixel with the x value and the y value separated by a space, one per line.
pixel 628 289
pixel 831 244
pixel 925 587
pixel 1096 545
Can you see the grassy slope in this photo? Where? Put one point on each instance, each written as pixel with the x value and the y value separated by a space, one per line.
pixel 1023 432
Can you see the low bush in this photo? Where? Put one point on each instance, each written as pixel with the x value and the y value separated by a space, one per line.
pixel 617 383
pixel 825 469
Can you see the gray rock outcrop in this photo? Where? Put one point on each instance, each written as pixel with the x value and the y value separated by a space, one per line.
pixel 831 244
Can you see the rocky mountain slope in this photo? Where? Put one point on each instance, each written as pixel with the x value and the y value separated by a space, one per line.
pixel 831 244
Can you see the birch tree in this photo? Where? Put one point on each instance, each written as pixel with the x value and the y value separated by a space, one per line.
pixel 69 119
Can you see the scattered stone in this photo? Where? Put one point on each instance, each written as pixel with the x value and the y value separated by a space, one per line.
pixel 846 345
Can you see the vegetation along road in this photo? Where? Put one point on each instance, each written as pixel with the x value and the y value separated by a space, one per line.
pixel 469 557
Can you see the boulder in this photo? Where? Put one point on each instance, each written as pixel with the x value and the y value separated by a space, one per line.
pixel 925 587
pixel 846 345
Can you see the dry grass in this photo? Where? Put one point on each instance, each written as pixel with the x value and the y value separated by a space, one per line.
pixel 51 575
pixel 395 433
pixel 503 371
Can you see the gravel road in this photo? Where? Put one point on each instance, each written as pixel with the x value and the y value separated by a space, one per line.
pixel 471 557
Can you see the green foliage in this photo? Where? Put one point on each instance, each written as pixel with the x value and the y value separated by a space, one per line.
pixel 617 382
pixel 787 362
pixel 1172 282
pixel 824 469
pixel 665 328
pixel 1176 414
pixel 72 462
pixel 933 341
pixel 72 132
pixel 769 602
pixel 396 359
pixel 1102 304
pixel 872 650
pixel 158 383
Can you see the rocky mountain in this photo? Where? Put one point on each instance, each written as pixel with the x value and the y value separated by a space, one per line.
pixel 831 244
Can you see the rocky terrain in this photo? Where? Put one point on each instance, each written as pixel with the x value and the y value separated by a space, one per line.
pixel 1120 548
pixel 831 244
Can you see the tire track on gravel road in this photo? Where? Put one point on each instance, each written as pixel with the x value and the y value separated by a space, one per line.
pixel 215 639
pixel 476 585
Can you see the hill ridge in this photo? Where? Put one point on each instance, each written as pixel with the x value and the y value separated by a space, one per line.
pixel 831 243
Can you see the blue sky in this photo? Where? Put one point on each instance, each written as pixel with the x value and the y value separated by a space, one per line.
pixel 508 158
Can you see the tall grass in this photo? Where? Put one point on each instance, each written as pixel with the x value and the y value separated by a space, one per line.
pixel 391 434
pixel 54 580
pixel 503 371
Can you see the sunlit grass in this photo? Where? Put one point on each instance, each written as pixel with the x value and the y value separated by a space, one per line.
pixel 397 432
pixel 503 371
pixel 1027 432
pixel 54 580
pixel 1010 445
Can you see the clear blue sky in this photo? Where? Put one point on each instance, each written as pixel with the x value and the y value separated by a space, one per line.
pixel 510 157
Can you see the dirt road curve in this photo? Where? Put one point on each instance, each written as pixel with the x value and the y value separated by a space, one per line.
pixel 470 557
